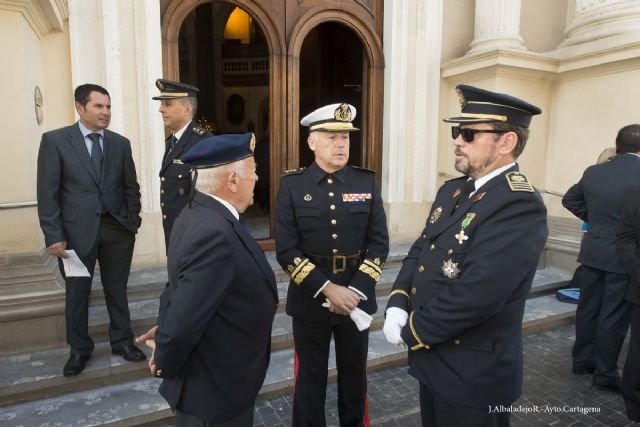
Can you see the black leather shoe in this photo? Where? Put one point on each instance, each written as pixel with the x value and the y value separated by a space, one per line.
pixel 582 371
pixel 612 386
pixel 130 353
pixel 75 365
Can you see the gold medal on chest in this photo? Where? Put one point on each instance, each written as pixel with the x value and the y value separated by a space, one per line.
pixel 450 269
pixel 461 237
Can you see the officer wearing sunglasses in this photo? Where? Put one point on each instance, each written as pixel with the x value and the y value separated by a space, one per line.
pixel 458 301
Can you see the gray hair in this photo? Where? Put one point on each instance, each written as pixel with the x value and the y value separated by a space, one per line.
pixel 209 180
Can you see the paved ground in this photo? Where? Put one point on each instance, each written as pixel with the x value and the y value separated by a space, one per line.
pixel 552 395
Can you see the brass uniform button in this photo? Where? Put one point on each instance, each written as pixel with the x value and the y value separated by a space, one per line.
pixel 180 176
pixel 426 346
pixel 421 268
pixel 334 236
pixel 414 291
pixel 162 204
pixel 162 191
pixel 162 179
pixel 331 194
pixel 335 251
pixel 456 342
pixel 334 222
pixel 432 247
pixel 164 217
pixel 424 236
pixel 330 181
pixel 450 251
pixel 332 207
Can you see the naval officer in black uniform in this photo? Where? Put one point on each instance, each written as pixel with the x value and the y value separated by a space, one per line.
pixel 213 339
pixel 178 106
pixel 331 237
pixel 459 298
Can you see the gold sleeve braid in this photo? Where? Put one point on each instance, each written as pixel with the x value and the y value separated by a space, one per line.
pixel 302 271
pixel 371 269
pixel 399 292
pixel 415 335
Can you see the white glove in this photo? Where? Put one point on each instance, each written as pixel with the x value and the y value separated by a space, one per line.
pixel 359 317
pixel 395 320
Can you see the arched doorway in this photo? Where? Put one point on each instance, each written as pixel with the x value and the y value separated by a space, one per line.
pixel 224 52
pixel 284 30
pixel 332 67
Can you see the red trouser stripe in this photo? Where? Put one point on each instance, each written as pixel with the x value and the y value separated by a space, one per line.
pixel 295 368
pixel 365 418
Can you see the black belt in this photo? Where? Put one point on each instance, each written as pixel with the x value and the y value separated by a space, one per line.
pixel 337 263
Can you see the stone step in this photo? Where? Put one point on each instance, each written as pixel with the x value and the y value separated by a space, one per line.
pixel 137 402
pixel 38 375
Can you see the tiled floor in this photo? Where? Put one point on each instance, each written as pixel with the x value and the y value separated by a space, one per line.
pixel 552 395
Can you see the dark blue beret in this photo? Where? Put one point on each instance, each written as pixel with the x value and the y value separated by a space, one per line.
pixel 173 90
pixel 483 106
pixel 220 150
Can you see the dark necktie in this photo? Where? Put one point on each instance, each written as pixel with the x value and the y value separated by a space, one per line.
pixel 468 188
pixel 96 153
pixel 172 142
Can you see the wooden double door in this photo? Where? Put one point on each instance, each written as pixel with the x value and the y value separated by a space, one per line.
pixel 261 65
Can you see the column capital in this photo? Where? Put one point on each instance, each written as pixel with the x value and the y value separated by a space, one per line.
pixel 596 19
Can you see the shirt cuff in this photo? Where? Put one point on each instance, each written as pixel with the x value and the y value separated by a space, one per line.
pixel 363 297
pixel 321 288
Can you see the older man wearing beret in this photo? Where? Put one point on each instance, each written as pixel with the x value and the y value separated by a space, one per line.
pixel 213 339
pixel 459 298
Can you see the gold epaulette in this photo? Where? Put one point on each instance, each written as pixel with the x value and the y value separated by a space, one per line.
pixel 364 169
pixel 293 171
pixel 518 182
pixel 199 131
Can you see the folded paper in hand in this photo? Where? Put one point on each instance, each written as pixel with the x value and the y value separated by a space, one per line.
pixel 73 267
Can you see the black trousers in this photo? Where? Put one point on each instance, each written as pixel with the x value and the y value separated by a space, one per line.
pixel 113 249
pixel 631 372
pixel 602 320
pixel 312 341
pixel 436 411
pixel 243 420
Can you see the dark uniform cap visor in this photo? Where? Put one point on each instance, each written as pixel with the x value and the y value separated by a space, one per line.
pixel 483 106
pixel 174 90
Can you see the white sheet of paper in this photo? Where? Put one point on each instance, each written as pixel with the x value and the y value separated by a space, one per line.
pixel 73 267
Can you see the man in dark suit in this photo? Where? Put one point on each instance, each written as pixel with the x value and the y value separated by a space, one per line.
pixel 213 339
pixel 459 298
pixel 89 201
pixel 602 317
pixel 628 245
pixel 331 237
pixel 178 106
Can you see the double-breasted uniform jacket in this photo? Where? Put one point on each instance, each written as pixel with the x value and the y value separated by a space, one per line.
pixel 599 199
pixel 628 245
pixel 464 284
pixel 175 177
pixel 213 340
pixel 330 227
pixel 72 197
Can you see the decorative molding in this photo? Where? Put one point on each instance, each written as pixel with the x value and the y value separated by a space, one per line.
pixel 497 25
pixel 43 16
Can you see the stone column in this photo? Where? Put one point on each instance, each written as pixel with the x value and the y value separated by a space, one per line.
pixel 597 19
pixel 412 47
pixel 497 26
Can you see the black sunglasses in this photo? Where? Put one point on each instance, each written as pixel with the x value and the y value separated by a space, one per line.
pixel 468 135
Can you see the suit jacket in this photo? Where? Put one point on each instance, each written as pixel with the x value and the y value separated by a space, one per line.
pixel 321 214
pixel 214 326
pixel 71 197
pixel 464 283
pixel 599 200
pixel 628 245
pixel 175 177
